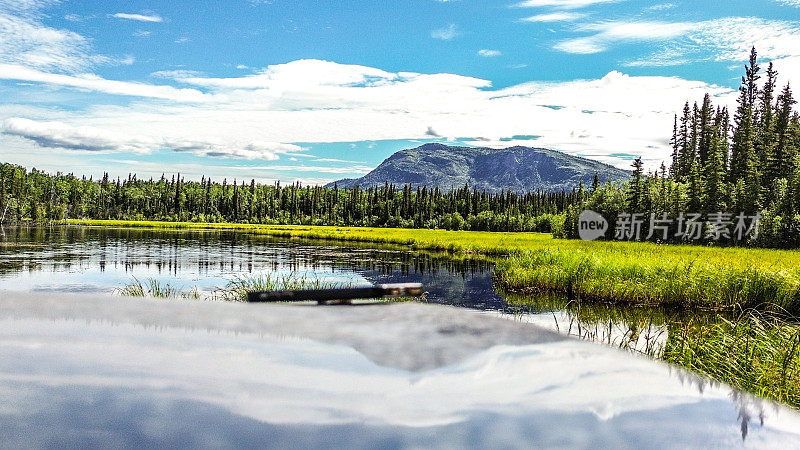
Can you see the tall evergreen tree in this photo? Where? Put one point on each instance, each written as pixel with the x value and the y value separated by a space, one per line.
pixel 782 162
pixel 765 139
pixel 743 151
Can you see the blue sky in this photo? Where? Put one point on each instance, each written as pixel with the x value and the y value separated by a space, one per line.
pixel 321 90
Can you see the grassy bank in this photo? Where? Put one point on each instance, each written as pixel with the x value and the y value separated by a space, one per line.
pixel 623 272
pixel 755 352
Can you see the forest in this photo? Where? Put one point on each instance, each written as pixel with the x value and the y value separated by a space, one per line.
pixel 744 163
pixel 740 163
pixel 37 196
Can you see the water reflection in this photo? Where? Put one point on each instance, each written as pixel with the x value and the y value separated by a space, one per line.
pixel 177 379
pixel 638 329
pixel 89 259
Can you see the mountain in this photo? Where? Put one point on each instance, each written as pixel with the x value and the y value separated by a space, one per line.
pixel 519 169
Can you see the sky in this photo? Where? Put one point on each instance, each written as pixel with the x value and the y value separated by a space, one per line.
pixel 321 90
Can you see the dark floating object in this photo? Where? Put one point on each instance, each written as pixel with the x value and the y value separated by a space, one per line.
pixel 338 295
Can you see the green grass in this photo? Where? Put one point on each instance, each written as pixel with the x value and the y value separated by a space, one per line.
pixel 155 289
pixel 755 352
pixel 622 272
pixel 236 289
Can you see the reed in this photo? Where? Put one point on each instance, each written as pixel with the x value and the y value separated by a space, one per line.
pixel 756 352
pixel 237 288
pixel 155 289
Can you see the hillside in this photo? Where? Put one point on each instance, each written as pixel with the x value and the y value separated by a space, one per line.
pixel 515 168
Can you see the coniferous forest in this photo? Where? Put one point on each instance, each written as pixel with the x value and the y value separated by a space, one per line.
pixel 37 196
pixel 724 165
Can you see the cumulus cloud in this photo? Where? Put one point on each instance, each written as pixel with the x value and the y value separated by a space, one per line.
pixel 255 116
pixel 153 18
pixel 61 135
pixel 447 33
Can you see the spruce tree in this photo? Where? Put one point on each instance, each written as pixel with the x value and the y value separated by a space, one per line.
pixel 634 196
pixel 782 160
pixel 743 150
pixel 706 132
pixel 684 157
pixel 765 140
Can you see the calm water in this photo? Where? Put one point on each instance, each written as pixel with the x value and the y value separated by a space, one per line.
pixel 102 260
pixel 87 259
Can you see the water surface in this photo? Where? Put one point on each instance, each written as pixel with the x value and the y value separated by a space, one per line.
pixel 101 260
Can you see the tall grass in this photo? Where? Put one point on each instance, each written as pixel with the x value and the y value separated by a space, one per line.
pixel 156 289
pixel 236 289
pixel 708 282
pixel 753 351
pixel 756 352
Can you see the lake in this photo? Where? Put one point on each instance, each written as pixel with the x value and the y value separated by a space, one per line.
pixel 103 260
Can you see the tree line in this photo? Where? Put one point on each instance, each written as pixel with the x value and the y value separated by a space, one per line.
pixel 37 196
pixel 740 164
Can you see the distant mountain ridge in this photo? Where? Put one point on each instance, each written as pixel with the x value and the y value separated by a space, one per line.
pixel 519 169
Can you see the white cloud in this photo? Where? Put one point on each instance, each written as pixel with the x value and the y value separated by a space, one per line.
pixel 662 7
pixel 60 135
pixel 25 40
pixel 27 7
pixel 94 83
pixel 182 40
pixel 795 3
pixel 734 37
pixel 725 39
pixel 562 16
pixel 320 101
pixel 563 4
pixel 141 33
pixel 487 53
pixel 447 33
pixel 153 18
pixel 176 74
pixel 609 33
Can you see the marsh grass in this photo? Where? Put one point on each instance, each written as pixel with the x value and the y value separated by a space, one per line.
pixel 756 352
pixel 155 289
pixel 703 281
pixel 751 350
pixel 236 289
